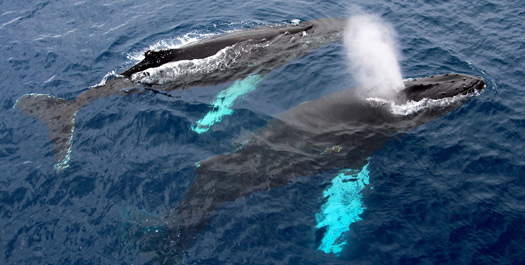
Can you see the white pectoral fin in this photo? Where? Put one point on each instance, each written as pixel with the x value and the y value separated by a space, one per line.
pixel 342 207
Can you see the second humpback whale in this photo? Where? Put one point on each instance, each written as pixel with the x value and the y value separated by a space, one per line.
pixel 337 131
pixel 211 61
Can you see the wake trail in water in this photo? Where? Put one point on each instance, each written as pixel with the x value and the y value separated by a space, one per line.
pixel 373 58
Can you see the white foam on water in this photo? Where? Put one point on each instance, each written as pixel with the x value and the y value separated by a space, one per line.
pixel 106 78
pixel 172 43
pixel 173 71
pixel 412 107
pixel 296 21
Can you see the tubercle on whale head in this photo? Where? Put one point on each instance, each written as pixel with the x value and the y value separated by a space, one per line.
pixel 441 86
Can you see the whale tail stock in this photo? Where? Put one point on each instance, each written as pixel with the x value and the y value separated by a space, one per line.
pixel 59 115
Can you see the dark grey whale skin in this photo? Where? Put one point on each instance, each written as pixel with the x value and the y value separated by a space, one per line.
pixel 261 50
pixel 213 45
pixel 337 131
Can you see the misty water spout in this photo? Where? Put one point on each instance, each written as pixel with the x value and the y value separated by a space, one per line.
pixel 373 57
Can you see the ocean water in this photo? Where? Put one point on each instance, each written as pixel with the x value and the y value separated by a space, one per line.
pixel 451 191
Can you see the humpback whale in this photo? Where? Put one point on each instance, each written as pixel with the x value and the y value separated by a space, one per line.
pixel 338 131
pixel 211 61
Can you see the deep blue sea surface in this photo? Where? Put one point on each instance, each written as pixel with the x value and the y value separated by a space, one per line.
pixel 451 191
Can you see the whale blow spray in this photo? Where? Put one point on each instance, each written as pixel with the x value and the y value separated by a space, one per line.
pixel 371 49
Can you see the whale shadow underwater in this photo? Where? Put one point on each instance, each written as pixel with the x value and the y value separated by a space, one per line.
pixel 219 59
pixel 338 131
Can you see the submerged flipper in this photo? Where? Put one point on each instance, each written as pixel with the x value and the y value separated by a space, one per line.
pixel 59 115
pixel 342 207
pixel 224 101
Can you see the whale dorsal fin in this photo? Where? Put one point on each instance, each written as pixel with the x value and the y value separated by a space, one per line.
pixel 153 58
pixel 161 56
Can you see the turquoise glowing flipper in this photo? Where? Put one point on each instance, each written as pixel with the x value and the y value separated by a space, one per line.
pixel 342 207
pixel 223 102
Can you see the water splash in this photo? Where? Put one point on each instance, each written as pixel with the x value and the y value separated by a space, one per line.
pixel 411 107
pixel 175 71
pixel 171 43
pixel 342 207
pixel 371 50
pixel 222 104
pixel 106 77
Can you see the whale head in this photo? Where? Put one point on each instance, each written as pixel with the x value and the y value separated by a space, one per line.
pixel 441 86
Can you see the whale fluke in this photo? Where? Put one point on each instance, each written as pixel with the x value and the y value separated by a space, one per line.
pixel 59 115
